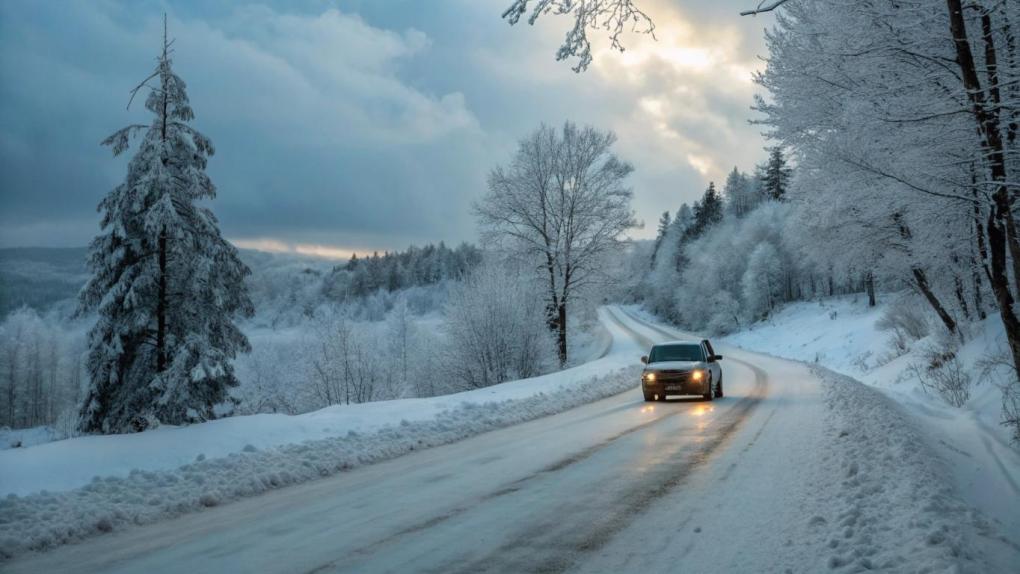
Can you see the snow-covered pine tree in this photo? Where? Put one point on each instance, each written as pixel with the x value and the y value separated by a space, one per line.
pixel 664 222
pixel 165 283
pixel 776 177
pixel 707 212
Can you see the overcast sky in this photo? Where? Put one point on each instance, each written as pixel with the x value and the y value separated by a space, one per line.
pixel 355 125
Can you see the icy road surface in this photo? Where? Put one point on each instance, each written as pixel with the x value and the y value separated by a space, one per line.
pixel 748 483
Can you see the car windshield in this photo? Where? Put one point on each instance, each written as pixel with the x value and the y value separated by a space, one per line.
pixel 684 352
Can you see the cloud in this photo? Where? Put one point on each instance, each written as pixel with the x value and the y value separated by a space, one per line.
pixel 316 133
pixel 367 127
pixel 679 102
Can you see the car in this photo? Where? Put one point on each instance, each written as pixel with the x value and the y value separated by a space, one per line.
pixel 682 368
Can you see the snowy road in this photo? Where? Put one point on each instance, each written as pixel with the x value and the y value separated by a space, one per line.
pixel 613 486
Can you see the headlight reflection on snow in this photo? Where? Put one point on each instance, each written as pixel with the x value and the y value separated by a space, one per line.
pixel 648 409
pixel 701 410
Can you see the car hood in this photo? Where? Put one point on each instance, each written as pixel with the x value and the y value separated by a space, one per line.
pixel 674 366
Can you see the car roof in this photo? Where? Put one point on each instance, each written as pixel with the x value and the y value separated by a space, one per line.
pixel 678 342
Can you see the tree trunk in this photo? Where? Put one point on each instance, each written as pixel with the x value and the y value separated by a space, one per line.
pixel 561 334
pixel 994 154
pixel 921 281
pixel 979 305
pixel 1000 288
pixel 960 298
pixel 161 307
pixel 869 286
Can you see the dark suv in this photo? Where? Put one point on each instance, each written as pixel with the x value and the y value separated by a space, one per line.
pixel 682 368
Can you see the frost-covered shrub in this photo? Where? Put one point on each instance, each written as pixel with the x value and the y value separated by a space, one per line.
pixel 998 367
pixel 941 371
pixel 906 320
pixel 496 330
pixel 725 313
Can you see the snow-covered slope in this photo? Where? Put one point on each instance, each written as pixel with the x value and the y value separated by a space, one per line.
pixel 841 334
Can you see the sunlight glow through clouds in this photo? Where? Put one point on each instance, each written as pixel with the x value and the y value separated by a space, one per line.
pixel 308 249
pixel 690 78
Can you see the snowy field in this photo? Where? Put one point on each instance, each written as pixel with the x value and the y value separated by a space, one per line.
pixel 62 491
pixel 841 334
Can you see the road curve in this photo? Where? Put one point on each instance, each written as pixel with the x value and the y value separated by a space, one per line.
pixel 543 496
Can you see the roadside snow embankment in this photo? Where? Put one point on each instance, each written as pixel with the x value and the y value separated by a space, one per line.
pixel 893 506
pixel 843 334
pixel 45 519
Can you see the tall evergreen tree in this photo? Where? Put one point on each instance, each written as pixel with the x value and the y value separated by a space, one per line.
pixel 165 283
pixel 776 176
pixel 707 212
pixel 664 223
pixel 682 224
pixel 684 217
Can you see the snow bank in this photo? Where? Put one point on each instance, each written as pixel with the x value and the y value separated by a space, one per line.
pixel 892 507
pixel 141 478
pixel 841 334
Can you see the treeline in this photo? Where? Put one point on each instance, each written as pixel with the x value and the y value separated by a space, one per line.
pixel 907 139
pixel 724 260
pixel 489 331
pixel 42 371
pixel 415 267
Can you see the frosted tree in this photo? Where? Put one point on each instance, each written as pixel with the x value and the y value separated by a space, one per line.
pixel 614 16
pixel 664 222
pixel 917 122
pixel 684 217
pixel 496 329
pixel 912 147
pixel 762 281
pixel 401 336
pixel 166 285
pixel 665 271
pixel 561 205
pixel 741 196
pixel 707 212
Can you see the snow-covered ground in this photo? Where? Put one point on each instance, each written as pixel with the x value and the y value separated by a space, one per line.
pixel 841 334
pixel 65 490
pixel 20 438
pixel 798 469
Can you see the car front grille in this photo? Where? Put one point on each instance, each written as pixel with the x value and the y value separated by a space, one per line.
pixel 673 376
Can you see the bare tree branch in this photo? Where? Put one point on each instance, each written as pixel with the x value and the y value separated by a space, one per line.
pixel 760 8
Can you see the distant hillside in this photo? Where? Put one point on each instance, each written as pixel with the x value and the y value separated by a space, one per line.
pixel 47 277
pixel 40 277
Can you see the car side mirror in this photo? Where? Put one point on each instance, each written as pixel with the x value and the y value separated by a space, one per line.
pixel 718 357
pixel 644 359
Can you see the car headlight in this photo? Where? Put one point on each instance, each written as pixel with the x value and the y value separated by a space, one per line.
pixel 650 377
pixel 697 375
